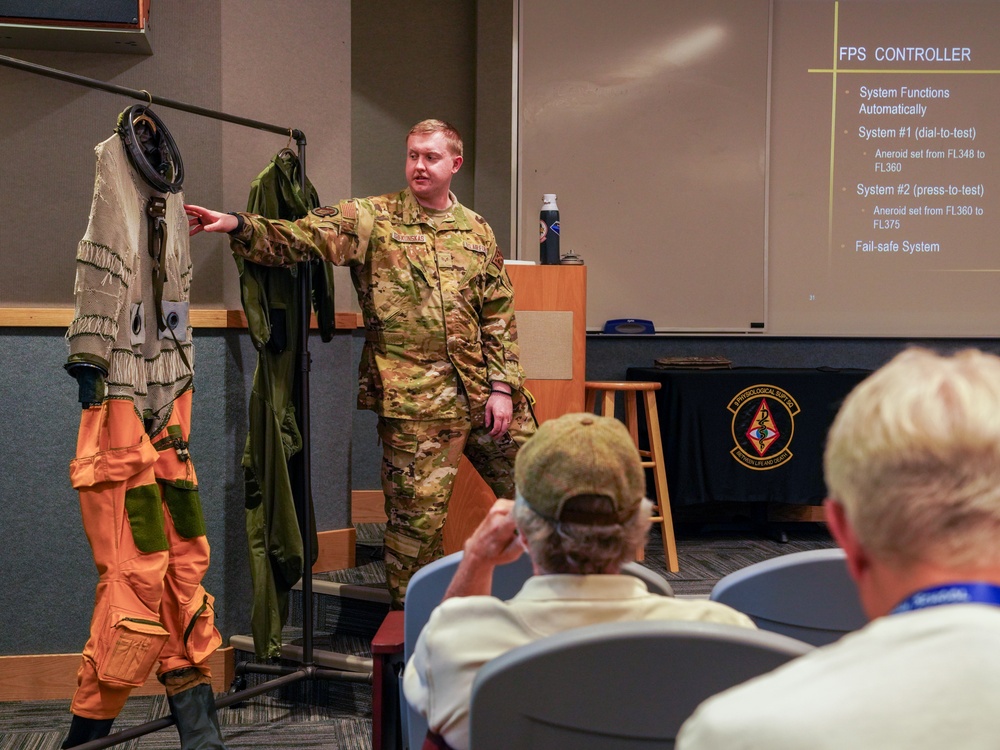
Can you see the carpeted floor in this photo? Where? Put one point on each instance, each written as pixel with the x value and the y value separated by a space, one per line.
pixel 708 555
pixel 338 715
pixel 263 722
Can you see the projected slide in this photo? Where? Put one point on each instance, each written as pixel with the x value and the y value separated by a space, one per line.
pixel 885 148
pixel 914 176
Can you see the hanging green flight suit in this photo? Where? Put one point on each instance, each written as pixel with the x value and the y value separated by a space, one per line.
pixel 271 303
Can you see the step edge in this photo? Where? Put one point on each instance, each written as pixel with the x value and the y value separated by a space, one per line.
pixel 348 591
pixel 322 658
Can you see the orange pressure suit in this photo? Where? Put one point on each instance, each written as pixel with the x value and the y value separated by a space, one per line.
pixel 137 484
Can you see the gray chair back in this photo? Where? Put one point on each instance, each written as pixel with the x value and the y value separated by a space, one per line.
pixel 615 685
pixel 804 595
pixel 426 590
pixel 655 583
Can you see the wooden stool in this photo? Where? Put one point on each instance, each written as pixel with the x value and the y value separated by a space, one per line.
pixel 652 458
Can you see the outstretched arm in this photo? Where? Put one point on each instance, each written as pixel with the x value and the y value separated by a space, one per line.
pixel 338 234
pixel 494 542
pixel 205 219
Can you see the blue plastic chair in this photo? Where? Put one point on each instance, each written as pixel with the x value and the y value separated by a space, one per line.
pixel 615 685
pixel 426 590
pixel 806 595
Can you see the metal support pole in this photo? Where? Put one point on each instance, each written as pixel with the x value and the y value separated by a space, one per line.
pixel 145 96
pixel 304 501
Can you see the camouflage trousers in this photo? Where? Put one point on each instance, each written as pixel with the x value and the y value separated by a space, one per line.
pixel 419 464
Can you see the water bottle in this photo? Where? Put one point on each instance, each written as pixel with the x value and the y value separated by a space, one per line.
pixel 548 240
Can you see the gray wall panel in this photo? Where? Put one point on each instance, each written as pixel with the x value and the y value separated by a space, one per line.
pixel 46 606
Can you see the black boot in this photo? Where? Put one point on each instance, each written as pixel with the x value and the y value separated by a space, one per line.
pixel 83 730
pixel 197 724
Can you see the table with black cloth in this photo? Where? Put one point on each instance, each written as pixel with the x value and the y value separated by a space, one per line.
pixel 746 434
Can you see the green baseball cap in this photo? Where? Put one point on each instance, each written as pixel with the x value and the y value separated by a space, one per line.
pixel 581 455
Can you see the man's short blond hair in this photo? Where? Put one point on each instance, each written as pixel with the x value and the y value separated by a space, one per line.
pixel 451 134
pixel 914 457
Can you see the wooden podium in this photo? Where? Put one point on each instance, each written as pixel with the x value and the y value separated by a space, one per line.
pixel 551 303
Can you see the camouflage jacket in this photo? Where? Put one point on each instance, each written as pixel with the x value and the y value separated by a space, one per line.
pixel 437 302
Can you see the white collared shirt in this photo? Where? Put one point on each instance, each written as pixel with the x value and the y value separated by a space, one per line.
pixel 464 633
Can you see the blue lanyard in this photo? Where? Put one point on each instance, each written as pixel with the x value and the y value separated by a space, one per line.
pixel 974 592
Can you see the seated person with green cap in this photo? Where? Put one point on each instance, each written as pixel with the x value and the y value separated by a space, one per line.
pixel 580 513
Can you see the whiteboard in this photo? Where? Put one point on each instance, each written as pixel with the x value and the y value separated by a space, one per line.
pixel 649 121
pixel 791 168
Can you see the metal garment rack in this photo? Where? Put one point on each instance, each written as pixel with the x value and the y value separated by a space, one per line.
pixel 300 468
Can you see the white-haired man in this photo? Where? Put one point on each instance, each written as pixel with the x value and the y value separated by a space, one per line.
pixel 912 465
pixel 580 514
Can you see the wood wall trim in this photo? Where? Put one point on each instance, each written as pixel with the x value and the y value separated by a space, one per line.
pixel 336 550
pixel 61 317
pixel 38 677
pixel 367 506
pixel 786 512
pixel 36 316
pixel 66 24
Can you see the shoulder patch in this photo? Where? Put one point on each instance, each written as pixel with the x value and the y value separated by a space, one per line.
pixel 350 210
pixel 497 260
pixel 326 212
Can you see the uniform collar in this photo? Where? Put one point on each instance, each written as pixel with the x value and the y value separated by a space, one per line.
pixel 413 213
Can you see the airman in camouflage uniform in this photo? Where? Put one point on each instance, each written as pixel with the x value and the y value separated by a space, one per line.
pixel 440 363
